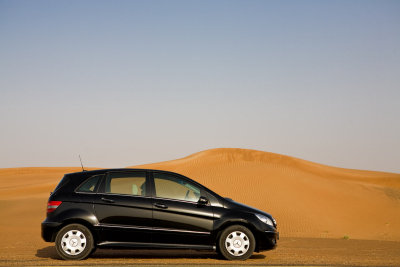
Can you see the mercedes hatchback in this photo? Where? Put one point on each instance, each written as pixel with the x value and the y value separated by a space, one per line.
pixel 139 208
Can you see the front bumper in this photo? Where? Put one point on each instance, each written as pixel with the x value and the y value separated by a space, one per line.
pixel 267 240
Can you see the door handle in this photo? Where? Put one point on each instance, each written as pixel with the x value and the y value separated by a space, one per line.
pixel 161 206
pixel 107 200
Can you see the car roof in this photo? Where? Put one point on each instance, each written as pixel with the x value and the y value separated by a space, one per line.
pixel 101 171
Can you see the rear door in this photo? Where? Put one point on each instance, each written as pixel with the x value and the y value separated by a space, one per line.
pixel 124 207
pixel 177 216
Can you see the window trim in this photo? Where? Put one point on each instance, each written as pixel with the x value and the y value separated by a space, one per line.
pixel 177 200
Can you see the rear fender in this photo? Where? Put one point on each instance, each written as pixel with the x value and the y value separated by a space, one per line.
pixel 77 215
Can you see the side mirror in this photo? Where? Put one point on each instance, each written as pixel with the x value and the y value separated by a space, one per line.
pixel 203 201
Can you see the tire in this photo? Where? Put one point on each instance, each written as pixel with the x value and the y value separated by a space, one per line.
pixel 74 242
pixel 236 243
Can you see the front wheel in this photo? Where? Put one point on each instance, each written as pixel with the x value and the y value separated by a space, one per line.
pixel 74 242
pixel 236 243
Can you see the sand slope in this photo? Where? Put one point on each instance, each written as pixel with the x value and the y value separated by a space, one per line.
pixel 306 198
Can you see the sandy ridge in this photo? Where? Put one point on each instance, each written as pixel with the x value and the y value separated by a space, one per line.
pixel 310 201
pixel 307 198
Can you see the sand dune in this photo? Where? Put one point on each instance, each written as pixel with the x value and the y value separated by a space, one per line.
pixel 307 199
pixel 20 183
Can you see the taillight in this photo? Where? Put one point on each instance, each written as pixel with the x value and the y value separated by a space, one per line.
pixel 53 205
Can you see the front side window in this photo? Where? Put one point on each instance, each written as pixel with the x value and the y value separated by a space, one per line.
pixel 129 183
pixel 169 186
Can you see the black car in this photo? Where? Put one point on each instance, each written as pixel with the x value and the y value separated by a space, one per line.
pixel 140 208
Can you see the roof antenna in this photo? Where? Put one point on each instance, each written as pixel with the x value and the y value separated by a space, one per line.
pixel 81 163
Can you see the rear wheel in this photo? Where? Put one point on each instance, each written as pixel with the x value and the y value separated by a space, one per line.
pixel 236 243
pixel 74 242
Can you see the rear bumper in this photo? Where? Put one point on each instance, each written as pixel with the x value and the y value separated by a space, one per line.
pixel 48 230
pixel 267 240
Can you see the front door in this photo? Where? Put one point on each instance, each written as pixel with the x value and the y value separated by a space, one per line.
pixel 177 216
pixel 124 208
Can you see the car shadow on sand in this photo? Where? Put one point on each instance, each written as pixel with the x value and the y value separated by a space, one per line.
pixel 50 253
pixel 47 253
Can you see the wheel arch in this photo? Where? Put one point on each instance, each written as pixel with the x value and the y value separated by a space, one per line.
pixel 244 223
pixel 83 222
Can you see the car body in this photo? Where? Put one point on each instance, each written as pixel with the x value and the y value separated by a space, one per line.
pixel 142 208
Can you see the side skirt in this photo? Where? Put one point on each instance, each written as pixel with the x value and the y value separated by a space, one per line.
pixel 153 246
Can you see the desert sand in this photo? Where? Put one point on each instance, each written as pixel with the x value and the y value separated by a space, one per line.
pixel 325 215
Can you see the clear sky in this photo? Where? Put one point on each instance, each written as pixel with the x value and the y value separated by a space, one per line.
pixel 131 82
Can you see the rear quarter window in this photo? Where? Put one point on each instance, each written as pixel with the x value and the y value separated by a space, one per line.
pixel 89 185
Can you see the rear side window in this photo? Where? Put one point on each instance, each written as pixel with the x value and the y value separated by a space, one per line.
pixel 126 183
pixel 89 186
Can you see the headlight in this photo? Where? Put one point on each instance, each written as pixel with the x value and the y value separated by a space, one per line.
pixel 265 219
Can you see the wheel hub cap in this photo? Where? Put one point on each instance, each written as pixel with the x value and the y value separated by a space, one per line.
pixel 237 243
pixel 73 242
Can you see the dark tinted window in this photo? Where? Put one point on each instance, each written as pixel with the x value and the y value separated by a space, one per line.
pixel 126 183
pixel 90 184
pixel 170 186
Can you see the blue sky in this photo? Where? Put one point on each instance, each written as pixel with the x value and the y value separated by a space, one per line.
pixel 131 82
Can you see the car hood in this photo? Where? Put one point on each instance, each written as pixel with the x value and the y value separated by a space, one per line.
pixel 246 208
